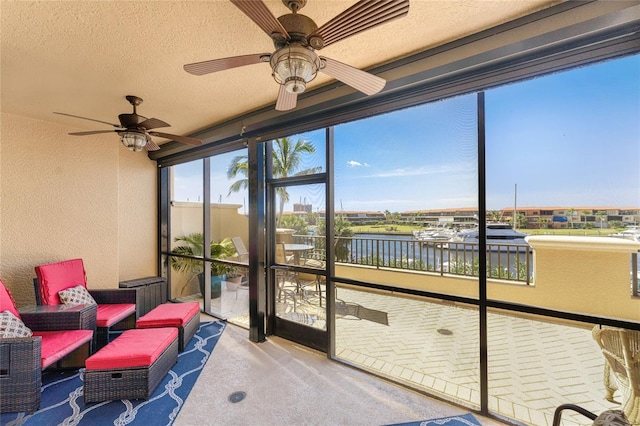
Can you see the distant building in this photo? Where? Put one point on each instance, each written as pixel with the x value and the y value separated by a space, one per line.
pixel 467 217
pixel 302 208
pixel 575 217
pixel 362 218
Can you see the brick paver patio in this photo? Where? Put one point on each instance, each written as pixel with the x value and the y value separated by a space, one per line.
pixel 534 365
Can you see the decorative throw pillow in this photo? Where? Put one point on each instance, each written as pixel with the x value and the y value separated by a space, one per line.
pixel 76 296
pixel 12 326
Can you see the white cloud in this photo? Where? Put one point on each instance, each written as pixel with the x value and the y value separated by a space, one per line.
pixel 422 171
pixel 354 163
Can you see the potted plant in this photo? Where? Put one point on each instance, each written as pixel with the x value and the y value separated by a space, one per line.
pixel 235 277
pixel 193 245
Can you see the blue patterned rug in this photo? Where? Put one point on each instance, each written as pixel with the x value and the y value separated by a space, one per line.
pixel 464 420
pixel 63 404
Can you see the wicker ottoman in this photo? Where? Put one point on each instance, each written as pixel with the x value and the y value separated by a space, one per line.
pixel 132 366
pixel 184 316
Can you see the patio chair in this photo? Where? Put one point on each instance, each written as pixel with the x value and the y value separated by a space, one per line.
pixel 31 343
pixel 621 350
pixel 243 254
pixel 116 307
pixel 284 293
pixel 284 277
pixel 314 259
pixel 305 280
pixel 281 254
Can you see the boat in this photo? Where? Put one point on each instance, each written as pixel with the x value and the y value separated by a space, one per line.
pixel 435 234
pixel 500 237
pixel 631 233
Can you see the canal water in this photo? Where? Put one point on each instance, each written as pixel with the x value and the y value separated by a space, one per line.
pixel 403 251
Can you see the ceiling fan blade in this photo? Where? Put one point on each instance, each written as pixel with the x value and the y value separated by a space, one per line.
pixel 361 16
pixel 183 139
pixel 151 146
pixel 206 67
pixel 90 119
pixel 153 123
pixel 363 81
pixel 286 100
pixel 259 13
pixel 92 132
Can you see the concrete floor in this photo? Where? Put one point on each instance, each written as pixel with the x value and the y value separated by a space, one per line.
pixel 288 384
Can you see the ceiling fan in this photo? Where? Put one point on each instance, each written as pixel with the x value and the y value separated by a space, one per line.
pixel 134 129
pixel 296 38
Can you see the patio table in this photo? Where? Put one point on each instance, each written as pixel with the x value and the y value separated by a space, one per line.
pixel 297 250
pixel 59 317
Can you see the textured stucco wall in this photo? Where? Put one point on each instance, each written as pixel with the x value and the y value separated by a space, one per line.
pixel 226 221
pixel 65 197
pixel 583 274
pixel 137 221
pixel 459 286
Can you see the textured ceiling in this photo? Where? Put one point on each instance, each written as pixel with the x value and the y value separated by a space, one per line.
pixel 83 57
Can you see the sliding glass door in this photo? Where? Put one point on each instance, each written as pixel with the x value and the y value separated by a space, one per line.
pixel 296 229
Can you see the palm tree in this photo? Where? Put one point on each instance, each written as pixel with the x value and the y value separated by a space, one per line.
pixel 570 213
pixel 601 216
pixel 387 216
pixel 495 215
pixel 239 166
pixel 342 237
pixel 193 245
pixel 584 214
pixel 312 218
pixel 287 157
pixel 395 217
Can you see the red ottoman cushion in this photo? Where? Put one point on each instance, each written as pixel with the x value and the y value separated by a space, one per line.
pixel 169 315
pixel 133 348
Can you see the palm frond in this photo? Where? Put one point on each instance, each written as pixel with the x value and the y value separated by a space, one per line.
pixel 238 185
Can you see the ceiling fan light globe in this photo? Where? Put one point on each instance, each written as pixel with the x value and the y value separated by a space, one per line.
pixel 294 66
pixel 134 141
pixel 295 85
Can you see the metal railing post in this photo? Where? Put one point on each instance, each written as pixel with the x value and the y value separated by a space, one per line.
pixel 634 274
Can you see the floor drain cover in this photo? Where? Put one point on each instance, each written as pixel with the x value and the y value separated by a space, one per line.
pixel 237 396
pixel 445 332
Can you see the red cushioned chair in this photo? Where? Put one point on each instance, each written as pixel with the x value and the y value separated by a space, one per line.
pixel 116 307
pixel 22 359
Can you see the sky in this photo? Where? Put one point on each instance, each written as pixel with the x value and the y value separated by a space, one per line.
pixel 567 139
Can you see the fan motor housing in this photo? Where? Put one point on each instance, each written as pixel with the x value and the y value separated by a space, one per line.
pixel 298 26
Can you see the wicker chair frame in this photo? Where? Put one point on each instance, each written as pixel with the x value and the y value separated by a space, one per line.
pixel 607 418
pixel 21 361
pixel 20 374
pixel 621 349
